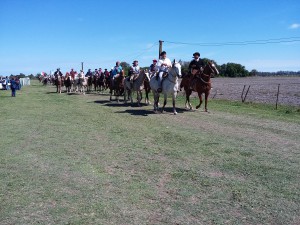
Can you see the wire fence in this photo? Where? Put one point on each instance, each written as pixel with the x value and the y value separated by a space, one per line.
pixel 270 90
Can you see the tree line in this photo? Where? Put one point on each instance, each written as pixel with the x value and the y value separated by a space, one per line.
pixel 225 70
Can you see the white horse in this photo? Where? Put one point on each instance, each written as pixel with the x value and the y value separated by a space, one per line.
pixel 169 86
pixel 82 83
pixel 138 86
pixel 75 83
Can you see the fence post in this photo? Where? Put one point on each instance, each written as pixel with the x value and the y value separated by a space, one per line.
pixel 246 93
pixel 243 92
pixel 277 96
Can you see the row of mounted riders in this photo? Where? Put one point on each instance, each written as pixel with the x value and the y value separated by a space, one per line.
pixel 197 81
pixel 100 82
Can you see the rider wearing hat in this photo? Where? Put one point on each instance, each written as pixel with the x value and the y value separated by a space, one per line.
pixel 134 71
pixel 164 64
pixel 196 66
pixel 89 73
pixel 153 67
pixel 115 72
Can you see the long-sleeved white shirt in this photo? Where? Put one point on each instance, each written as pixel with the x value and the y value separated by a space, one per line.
pixel 164 61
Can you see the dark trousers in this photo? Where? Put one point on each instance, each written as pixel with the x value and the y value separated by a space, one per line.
pixel 13 92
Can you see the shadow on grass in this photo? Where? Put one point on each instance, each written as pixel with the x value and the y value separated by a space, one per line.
pixel 110 103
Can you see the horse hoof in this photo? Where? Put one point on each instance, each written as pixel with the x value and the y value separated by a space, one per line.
pixel 175 113
pixel 197 107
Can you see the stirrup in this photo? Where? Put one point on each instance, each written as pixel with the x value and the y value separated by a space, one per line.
pixel 159 90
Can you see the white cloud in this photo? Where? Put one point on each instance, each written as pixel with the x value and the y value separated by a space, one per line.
pixel 294 26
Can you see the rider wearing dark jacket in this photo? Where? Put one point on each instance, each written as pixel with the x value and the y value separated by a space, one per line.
pixel 196 63
pixel 196 66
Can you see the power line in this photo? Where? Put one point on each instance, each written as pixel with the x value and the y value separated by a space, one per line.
pixel 254 42
pixel 146 50
pixel 140 52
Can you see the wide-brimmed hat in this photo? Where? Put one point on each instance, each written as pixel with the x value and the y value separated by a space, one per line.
pixel 196 53
pixel 135 61
pixel 154 60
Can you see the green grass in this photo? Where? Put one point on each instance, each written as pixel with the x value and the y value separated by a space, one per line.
pixel 78 159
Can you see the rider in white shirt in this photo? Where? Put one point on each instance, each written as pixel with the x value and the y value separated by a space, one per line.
pixel 163 64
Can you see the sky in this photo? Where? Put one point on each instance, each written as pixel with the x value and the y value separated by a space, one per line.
pixel 40 36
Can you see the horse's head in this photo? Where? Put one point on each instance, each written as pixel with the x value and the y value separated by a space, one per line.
pixel 177 68
pixel 210 68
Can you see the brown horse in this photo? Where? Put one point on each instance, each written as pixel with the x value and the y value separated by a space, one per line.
pixel 117 86
pixel 59 81
pixel 202 84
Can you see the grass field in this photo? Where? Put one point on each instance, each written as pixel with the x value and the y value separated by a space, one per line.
pixel 79 159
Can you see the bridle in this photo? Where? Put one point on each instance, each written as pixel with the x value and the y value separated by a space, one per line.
pixel 206 75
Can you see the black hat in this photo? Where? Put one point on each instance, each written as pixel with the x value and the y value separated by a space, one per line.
pixel 135 61
pixel 196 53
pixel 162 53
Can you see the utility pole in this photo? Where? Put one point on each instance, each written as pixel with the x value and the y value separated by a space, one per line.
pixel 82 66
pixel 160 48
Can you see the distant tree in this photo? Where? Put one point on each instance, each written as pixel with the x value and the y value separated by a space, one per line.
pixel 126 67
pixel 234 70
pixel 253 72
pixel 31 77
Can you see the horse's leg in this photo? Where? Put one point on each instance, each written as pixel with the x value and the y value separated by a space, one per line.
pixel 200 99
pixel 139 97
pixel 146 97
pixel 173 101
pixel 165 102
pixel 206 99
pixel 188 94
pixel 131 100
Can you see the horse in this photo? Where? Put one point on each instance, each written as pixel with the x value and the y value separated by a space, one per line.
pixel 101 82
pixel 83 83
pixel 201 85
pixel 116 86
pixel 136 86
pixel 95 82
pixel 147 87
pixel 59 83
pixel 169 86
pixel 68 83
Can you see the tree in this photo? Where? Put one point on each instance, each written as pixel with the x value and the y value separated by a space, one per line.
pixel 233 70
pixel 125 66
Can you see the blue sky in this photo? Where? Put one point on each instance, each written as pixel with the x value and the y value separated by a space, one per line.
pixel 40 35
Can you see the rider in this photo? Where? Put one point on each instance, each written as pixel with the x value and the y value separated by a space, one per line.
pixel 153 67
pixel 164 64
pixel 116 72
pixel 134 71
pixel 196 66
pixel 72 73
pixel 89 73
pixel 57 73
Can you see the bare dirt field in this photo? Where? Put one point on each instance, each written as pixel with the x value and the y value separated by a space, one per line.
pixel 262 89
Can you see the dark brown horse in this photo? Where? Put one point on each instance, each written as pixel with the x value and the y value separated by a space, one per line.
pixel 116 86
pixel 101 82
pixel 202 84
pixel 147 87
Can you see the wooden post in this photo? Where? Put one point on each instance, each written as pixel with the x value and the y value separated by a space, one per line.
pixel 246 94
pixel 242 96
pixel 215 94
pixel 82 66
pixel 160 48
pixel 277 96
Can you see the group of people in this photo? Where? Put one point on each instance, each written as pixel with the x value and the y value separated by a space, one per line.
pixel 162 66
pixel 158 67
pixel 12 83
